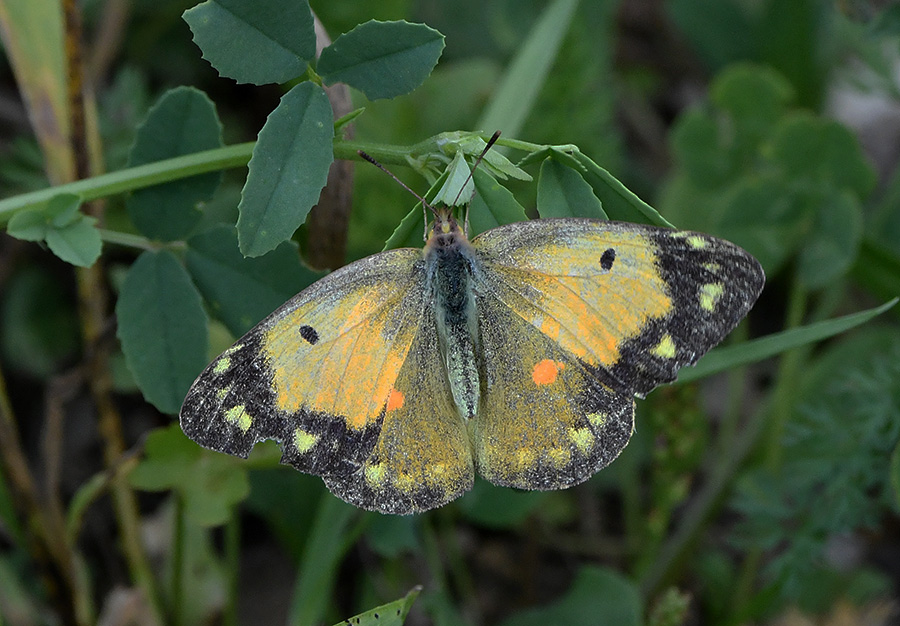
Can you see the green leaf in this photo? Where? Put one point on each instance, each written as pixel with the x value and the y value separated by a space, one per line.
pixel 516 94
pixel 391 614
pixel 211 484
pixel 697 150
pixel 70 235
pixel 824 151
pixel 34 224
pixel 182 122
pixel 78 243
pixel 242 291
pixel 288 169
pixel 562 192
pixel 493 205
pixel 29 225
pixel 452 192
pixel 163 328
pixel 597 596
pixel 473 145
pixel 382 59
pixel 829 250
pixel 62 210
pixel 727 357
pixel 266 41
pixel 755 97
pixel 619 202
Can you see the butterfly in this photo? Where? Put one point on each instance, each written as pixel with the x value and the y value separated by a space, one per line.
pixel 516 355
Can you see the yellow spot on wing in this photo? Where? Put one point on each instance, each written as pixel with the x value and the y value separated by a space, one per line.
pixel 695 241
pixel 222 365
pixel 232 349
pixel 238 415
pixel 583 439
pixel 304 440
pixel 546 371
pixel 375 474
pixel 221 393
pixel 559 457
pixel 597 420
pixel 710 294
pixel 665 349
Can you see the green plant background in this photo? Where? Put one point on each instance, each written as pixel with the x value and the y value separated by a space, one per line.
pixel 762 487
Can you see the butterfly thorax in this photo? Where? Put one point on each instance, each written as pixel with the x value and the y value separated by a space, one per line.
pixel 451 263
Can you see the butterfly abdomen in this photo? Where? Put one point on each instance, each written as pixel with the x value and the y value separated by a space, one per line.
pixel 449 260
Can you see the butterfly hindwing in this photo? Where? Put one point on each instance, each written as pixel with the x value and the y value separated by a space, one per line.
pixel 422 458
pixel 546 421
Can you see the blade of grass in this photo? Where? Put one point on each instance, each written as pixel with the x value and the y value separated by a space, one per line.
pixel 330 538
pixel 727 357
pixel 517 92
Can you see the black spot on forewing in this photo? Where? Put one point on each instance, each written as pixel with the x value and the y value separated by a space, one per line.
pixel 309 334
pixel 606 261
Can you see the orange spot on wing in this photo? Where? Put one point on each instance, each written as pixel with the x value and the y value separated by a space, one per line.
pixel 546 371
pixel 395 400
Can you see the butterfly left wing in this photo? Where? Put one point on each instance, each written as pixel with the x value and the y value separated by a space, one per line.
pixel 335 376
pixel 585 314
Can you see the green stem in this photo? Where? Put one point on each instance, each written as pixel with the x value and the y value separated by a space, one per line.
pixel 238 155
pixel 134 178
pixel 788 375
pixel 737 387
pixel 129 240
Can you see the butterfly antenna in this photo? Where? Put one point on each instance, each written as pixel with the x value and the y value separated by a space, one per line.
pixel 487 147
pixel 424 202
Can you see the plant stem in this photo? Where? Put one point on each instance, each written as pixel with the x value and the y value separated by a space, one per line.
pixel 788 374
pixel 133 178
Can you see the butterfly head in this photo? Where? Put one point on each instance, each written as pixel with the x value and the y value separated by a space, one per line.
pixel 445 230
